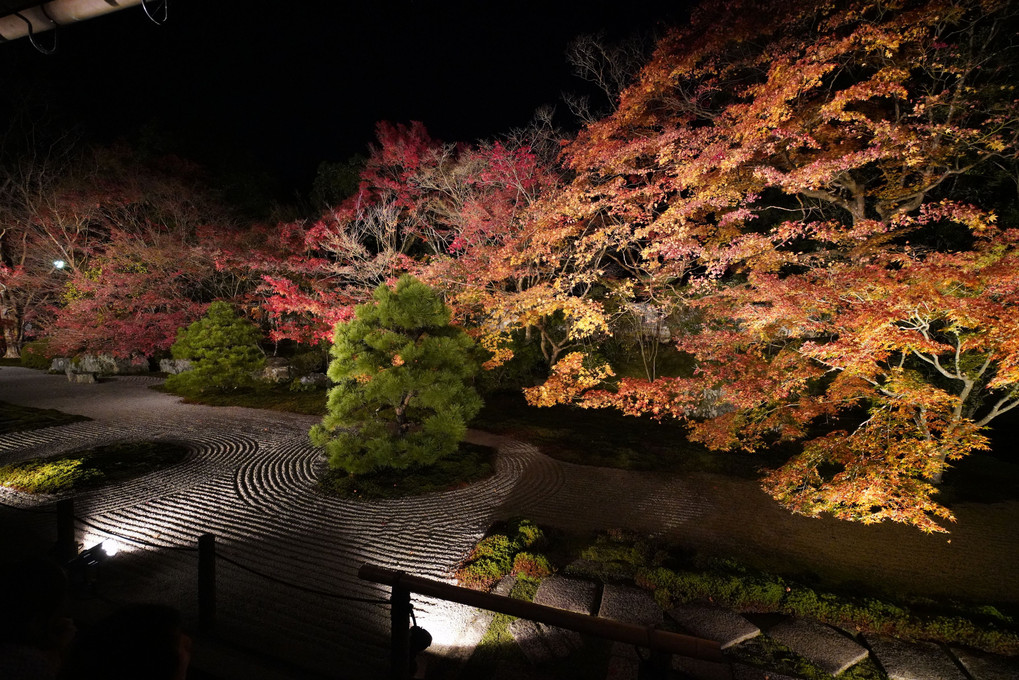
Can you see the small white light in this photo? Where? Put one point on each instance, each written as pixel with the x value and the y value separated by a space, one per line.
pixel 111 548
pixel 59 264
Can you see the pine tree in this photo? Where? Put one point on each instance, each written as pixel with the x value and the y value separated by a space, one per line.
pixel 403 395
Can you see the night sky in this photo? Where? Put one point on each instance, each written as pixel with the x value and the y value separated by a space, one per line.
pixel 285 85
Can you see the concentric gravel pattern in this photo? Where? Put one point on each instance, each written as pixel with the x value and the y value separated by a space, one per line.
pixel 290 554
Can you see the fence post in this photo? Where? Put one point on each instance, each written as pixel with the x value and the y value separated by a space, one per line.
pixel 67 547
pixel 206 583
pixel 399 649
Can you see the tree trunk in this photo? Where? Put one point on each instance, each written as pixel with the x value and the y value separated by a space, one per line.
pixel 12 343
pixel 935 479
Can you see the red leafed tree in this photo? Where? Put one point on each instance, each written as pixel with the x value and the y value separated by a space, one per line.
pixel 786 173
pixel 328 267
pixel 52 218
pixel 157 267
pixel 449 213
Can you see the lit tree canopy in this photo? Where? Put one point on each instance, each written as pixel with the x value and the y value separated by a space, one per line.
pixel 798 177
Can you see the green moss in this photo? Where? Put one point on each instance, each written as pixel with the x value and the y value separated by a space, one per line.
pixel 90 469
pixel 764 652
pixel 36 355
pixel 14 418
pixel 502 553
pixel 310 402
pixel 470 464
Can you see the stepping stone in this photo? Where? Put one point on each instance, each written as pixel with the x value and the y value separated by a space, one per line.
pixel 541 643
pixel 531 641
pixel 629 605
pixel 561 641
pixel 983 666
pixel 825 647
pixel 570 594
pixel 505 585
pixel 913 660
pixel 623 668
pixel 714 623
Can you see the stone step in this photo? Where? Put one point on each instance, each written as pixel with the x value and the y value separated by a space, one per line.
pixel 913 660
pixel 827 648
pixel 571 594
pixel 629 605
pixel 541 643
pixel 725 627
pixel 987 666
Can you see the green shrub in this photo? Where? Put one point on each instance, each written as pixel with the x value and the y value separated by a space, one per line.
pixel 312 361
pixel 481 574
pixel 526 534
pixel 224 353
pixel 36 354
pixel 497 549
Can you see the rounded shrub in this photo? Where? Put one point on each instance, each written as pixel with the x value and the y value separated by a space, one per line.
pixel 36 354
pixel 223 350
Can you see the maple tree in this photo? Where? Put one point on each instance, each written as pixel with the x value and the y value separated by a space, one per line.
pixel 451 214
pixel 48 225
pixel 157 266
pixel 777 172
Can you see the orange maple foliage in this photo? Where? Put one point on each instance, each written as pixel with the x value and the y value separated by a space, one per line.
pixel 779 171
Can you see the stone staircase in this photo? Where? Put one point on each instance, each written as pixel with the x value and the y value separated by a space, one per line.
pixel 829 649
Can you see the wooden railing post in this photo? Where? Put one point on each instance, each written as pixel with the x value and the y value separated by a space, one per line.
pixel 399 651
pixel 67 546
pixel 206 583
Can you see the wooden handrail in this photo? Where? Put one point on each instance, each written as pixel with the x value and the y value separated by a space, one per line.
pixel 642 636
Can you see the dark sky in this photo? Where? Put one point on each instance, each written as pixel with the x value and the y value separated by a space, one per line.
pixel 293 82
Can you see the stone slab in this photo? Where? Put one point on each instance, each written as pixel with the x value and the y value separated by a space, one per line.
pixel 505 585
pixel 828 649
pixel 622 668
pixel 531 642
pixel 913 660
pixel 629 605
pixel 725 627
pixel 571 594
pixel 541 643
pixel 983 666
pixel 561 641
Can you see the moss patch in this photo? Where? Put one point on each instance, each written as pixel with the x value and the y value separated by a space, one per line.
pixel 90 469
pixel 471 463
pixel 14 418
pixel 270 397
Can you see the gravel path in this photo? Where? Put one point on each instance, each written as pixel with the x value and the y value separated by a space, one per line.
pixel 249 479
